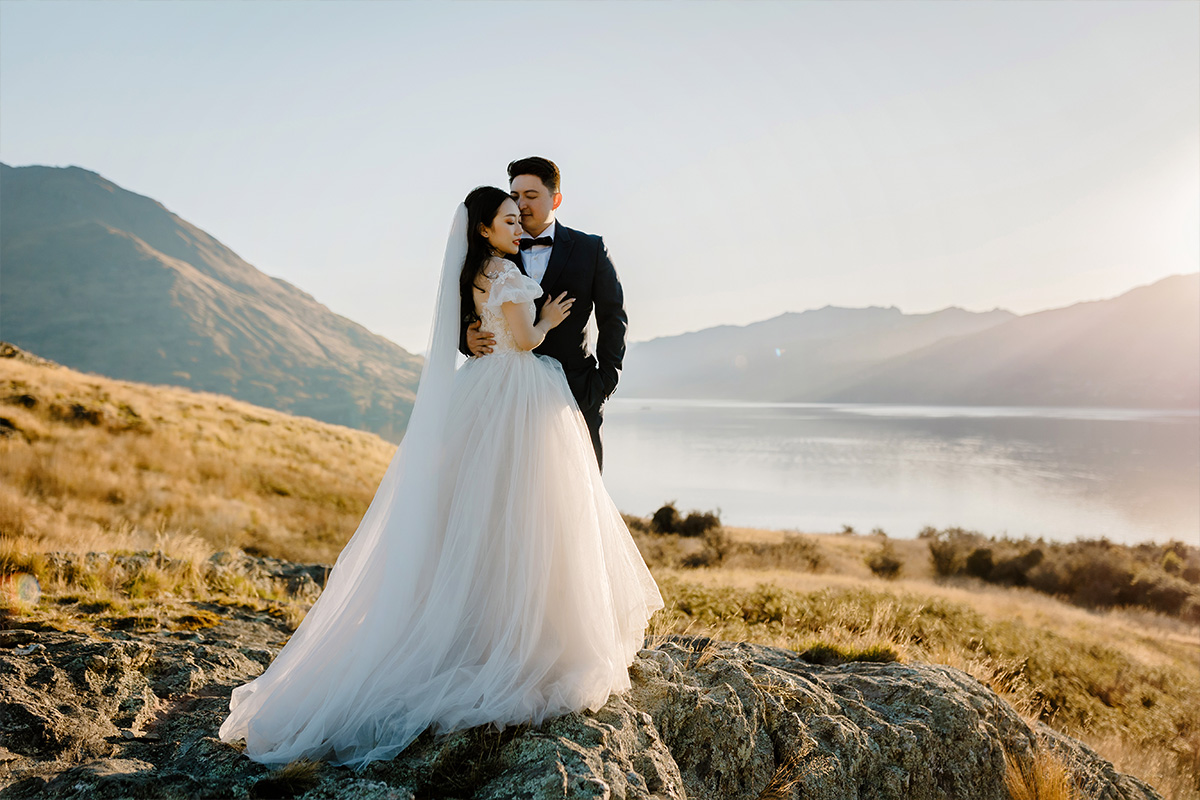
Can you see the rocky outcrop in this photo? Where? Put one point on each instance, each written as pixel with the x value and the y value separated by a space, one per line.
pixel 129 715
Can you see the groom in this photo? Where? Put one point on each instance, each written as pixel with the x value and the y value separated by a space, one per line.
pixel 563 259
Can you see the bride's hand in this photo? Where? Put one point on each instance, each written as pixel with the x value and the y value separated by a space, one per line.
pixel 556 310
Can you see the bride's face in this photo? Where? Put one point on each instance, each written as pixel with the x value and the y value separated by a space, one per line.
pixel 505 233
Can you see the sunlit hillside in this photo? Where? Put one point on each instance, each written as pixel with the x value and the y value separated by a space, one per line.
pixel 102 279
pixel 91 463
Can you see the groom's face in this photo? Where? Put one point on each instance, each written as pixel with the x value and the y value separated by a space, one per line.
pixel 536 202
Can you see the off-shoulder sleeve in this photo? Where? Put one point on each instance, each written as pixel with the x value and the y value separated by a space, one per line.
pixel 510 286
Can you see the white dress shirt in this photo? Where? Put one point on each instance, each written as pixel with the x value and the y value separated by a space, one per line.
pixel 537 258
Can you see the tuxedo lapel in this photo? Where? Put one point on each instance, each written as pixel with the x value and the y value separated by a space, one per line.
pixel 558 256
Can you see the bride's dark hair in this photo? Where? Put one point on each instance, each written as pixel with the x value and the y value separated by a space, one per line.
pixel 482 204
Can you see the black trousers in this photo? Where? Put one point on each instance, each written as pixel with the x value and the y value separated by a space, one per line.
pixel 594 419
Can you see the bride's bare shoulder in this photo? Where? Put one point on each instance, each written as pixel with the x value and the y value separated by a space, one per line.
pixel 490 272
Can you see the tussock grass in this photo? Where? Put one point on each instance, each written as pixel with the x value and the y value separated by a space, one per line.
pixel 1045 777
pixel 143 590
pixel 290 780
pixel 787 776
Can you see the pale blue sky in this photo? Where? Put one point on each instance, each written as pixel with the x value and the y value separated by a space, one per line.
pixel 741 159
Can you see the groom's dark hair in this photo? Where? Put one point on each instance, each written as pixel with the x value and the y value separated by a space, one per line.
pixel 542 168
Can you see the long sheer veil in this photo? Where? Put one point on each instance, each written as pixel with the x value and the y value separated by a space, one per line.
pixel 368 587
pixel 419 455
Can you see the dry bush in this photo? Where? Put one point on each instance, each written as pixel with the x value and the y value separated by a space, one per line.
pixel 668 520
pixel 699 523
pixel 717 546
pixel 884 562
pixel 665 520
pixel 292 779
pixel 1093 573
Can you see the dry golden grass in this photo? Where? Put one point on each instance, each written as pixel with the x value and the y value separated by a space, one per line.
pixel 290 780
pixel 144 590
pixel 788 775
pixel 96 464
pixel 1044 778
pixel 1174 770
pixel 1130 688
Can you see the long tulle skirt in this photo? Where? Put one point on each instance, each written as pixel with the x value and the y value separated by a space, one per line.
pixel 519 596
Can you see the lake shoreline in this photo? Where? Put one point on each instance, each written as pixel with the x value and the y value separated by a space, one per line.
pixel 1131 475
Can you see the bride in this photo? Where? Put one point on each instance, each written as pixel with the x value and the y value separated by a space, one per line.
pixel 492 579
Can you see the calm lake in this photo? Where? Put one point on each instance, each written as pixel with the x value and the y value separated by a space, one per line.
pixel 1060 473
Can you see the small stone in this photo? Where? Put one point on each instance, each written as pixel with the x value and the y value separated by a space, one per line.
pixel 14 638
pixel 30 649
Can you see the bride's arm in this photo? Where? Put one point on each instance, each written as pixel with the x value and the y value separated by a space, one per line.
pixel 525 333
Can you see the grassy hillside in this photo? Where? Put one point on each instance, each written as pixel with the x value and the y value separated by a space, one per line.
pixel 89 464
pixel 172 484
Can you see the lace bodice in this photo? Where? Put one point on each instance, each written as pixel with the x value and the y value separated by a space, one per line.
pixel 508 285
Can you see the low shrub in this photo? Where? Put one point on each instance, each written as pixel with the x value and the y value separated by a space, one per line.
pixel 666 519
pixel 1093 573
pixel 716 547
pixel 699 523
pixel 885 562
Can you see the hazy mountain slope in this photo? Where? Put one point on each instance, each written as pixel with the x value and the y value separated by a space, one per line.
pixel 105 280
pixel 1140 349
pixel 794 354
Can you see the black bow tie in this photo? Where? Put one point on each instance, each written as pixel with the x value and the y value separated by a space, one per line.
pixel 528 243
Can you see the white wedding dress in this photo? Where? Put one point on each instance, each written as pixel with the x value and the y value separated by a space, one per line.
pixel 511 593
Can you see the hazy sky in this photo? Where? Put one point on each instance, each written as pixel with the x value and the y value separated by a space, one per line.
pixel 741 159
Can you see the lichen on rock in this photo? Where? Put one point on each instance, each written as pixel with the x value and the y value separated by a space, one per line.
pixel 133 714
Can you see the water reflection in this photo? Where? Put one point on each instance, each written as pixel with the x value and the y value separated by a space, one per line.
pixel 1128 474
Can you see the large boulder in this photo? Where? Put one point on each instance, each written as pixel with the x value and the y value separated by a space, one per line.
pixel 132 714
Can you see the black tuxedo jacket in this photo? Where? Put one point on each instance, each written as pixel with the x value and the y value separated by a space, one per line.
pixel 580 266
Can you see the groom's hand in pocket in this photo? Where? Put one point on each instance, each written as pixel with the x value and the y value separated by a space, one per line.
pixel 594 391
pixel 479 342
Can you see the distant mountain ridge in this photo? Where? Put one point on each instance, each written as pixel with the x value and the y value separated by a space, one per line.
pixel 788 355
pixel 105 280
pixel 1141 349
pixel 108 281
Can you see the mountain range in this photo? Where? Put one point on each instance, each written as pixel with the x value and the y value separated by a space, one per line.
pixel 108 281
pixel 1140 349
